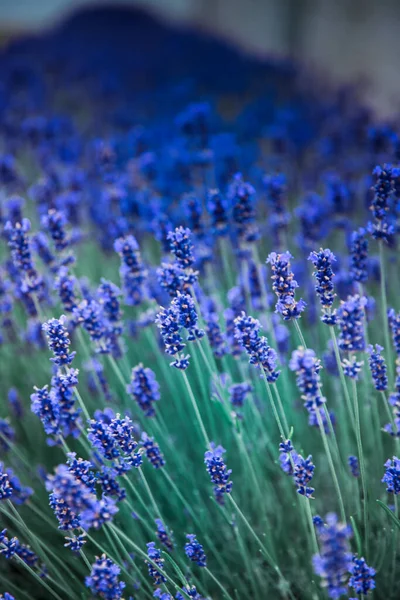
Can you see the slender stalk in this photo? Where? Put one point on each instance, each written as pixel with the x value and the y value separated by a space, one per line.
pixel 362 464
pixel 331 466
pixel 299 333
pixel 157 511
pixel 274 409
pixel 342 375
pixel 262 547
pixel 196 409
pixel 221 587
pixel 385 322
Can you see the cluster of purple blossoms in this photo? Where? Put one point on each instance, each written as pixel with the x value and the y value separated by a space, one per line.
pixel 394 323
pixel 11 488
pixel 12 547
pixel 18 240
pixel 75 503
pixel 216 207
pixel 173 279
pixel 132 271
pixel 392 476
pixel 301 469
pixel 255 285
pixel 213 328
pixel 164 535
pixel 185 312
pixel 351 316
pixel 144 388
pixel 65 285
pixel 359 256
pixel 276 191
pixel 152 451
pixel 75 543
pixel 238 393
pixel 7 434
pixel 114 439
pixel 241 195
pixel 180 315
pixel 247 334
pixel 236 306
pixel 307 367
pixel 284 286
pixel 181 246
pixel 191 591
pixel 103 580
pixel 362 576
pixel 58 341
pixel 377 367
pixel 334 560
pixel 394 400
pixel 56 408
pixel 194 550
pixel 381 229
pixel 354 466
pixel 155 555
pixel 323 273
pixel 218 471
pixel 194 210
pixel 55 222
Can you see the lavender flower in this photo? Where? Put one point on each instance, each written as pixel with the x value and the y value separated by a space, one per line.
pixel 247 333
pixel 350 320
pixel 377 367
pixel 163 535
pixel 185 312
pixel 217 209
pixel 46 406
pixel 218 472
pixel 241 195
pixel 284 286
pixel 392 476
pixel 238 393
pixel 362 576
pixel 75 543
pixel 334 561
pixel 181 246
pixel 323 273
pixel 65 286
pixel 19 243
pixel 132 272
pixel 58 340
pixel 213 329
pixel 55 222
pixel 152 451
pixel 194 551
pixel 359 256
pixel 307 367
pixel 301 469
pixel 394 322
pixel 155 555
pixel 144 388
pixel 354 466
pixel 167 322
pixel 103 580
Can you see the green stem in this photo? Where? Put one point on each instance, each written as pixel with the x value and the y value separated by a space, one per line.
pixel 362 464
pixel 219 584
pixel 331 466
pixel 385 310
pixel 196 409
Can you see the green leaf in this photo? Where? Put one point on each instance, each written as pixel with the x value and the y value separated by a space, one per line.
pixel 357 536
pixel 390 513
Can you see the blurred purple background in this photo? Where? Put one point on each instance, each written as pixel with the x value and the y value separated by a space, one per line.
pixel 350 39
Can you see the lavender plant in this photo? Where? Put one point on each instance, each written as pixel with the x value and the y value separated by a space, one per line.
pixel 142 229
